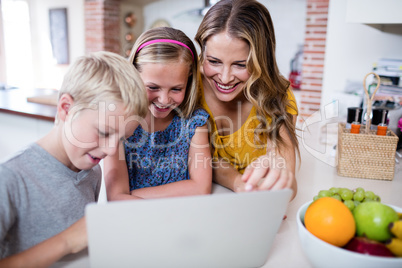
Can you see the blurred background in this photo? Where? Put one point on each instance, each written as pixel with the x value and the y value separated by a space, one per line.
pixel 325 47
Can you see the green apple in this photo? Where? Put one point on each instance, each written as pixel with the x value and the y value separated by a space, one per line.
pixel 372 219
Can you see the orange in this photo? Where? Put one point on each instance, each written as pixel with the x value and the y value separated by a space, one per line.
pixel 330 220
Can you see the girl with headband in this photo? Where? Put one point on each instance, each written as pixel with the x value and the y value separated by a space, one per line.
pixel 169 153
pixel 253 110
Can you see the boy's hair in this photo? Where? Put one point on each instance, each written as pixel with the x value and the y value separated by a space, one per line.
pixel 105 76
pixel 165 52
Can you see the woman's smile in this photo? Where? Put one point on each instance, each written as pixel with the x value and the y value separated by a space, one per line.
pixel 224 66
pixel 226 88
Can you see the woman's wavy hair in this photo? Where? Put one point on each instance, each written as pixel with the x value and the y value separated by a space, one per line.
pixel 266 88
pixel 165 52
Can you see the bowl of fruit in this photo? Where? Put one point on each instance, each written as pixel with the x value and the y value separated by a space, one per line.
pixel 342 227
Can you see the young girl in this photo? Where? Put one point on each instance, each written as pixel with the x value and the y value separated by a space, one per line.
pixel 168 154
pixel 253 111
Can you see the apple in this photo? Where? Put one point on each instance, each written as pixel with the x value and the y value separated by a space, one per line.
pixel 372 219
pixel 367 246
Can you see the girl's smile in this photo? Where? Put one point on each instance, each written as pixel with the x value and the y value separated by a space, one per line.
pixel 166 88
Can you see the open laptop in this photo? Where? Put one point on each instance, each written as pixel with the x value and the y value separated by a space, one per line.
pixel 218 230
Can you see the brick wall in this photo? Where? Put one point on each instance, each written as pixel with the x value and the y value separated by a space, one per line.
pixel 102 25
pixel 314 54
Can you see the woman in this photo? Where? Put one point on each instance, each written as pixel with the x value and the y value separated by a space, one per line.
pixel 252 110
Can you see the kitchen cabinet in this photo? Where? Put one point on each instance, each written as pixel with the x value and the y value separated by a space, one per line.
pixel 374 11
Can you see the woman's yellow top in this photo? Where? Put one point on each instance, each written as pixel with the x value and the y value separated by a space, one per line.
pixel 239 148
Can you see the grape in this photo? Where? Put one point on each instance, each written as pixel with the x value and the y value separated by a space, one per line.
pixel 360 189
pixel 369 195
pixel 351 198
pixel 324 193
pixel 346 194
pixel 358 196
pixel 334 190
pixel 350 204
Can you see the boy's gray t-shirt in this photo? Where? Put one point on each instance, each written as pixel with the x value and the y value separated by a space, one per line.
pixel 40 197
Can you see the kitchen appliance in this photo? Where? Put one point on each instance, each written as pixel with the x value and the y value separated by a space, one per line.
pixel 389 95
pixel 390 72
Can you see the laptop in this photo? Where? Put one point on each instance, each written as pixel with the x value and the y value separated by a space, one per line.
pixel 217 230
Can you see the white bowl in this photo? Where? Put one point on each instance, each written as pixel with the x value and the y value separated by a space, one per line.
pixel 322 254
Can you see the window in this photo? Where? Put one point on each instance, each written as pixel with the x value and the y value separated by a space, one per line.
pixel 17 43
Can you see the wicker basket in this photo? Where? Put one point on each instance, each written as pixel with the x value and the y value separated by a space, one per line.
pixel 366 156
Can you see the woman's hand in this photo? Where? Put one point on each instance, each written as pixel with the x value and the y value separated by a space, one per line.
pixel 238 184
pixel 273 170
pixel 268 172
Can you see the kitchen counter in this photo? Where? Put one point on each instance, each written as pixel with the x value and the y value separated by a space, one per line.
pixel 14 101
pixel 313 175
pixel 316 172
pixel 23 122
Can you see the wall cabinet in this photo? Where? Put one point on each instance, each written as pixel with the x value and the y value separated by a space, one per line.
pixel 374 11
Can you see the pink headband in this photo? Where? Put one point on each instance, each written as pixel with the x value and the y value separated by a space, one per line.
pixel 164 41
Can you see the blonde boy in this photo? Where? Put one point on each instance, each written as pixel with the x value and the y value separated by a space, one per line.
pixel 44 189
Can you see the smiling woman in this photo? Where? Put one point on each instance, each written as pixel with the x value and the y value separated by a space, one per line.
pixel 252 109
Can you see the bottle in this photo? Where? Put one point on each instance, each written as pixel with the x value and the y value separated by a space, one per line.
pixel 382 128
pixel 377 115
pixel 355 126
pixel 351 116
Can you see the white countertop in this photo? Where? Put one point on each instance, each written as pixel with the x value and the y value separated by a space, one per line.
pixel 312 176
